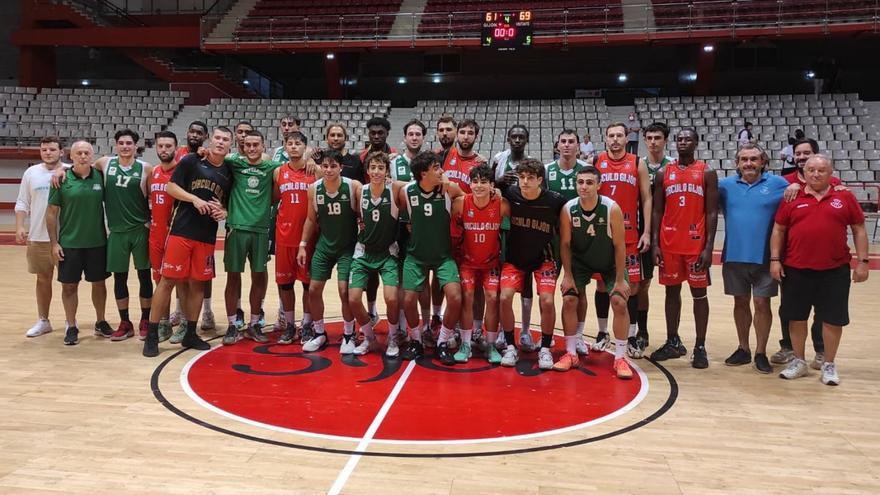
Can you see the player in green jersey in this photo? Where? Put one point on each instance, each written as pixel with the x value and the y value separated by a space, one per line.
pixel 592 242
pixel 332 204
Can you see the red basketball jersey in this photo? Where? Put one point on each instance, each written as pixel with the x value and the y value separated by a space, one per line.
pixel 294 205
pixel 683 229
pixel 181 152
pixel 620 182
pixel 458 169
pixel 481 244
pixel 161 203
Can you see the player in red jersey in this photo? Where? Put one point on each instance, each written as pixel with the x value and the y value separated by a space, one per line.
pixel 196 134
pixel 686 216
pixel 625 180
pixel 446 129
pixel 292 181
pixel 479 216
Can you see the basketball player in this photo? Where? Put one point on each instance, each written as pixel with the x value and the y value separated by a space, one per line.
pixel 479 215
pixel 561 175
pixel 247 235
pixel 196 134
pixel 241 130
pixel 534 217
pixel 626 181
pixel 75 226
pixel 332 206
pixel 428 201
pixel 336 136
pixel 289 124
pixel 376 254
pixel 593 241
pixel 656 136
pixel 686 215
pixel 446 130
pixel 292 182
pixel 201 187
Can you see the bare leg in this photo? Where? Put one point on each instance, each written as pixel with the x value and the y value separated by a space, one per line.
pixel 763 320
pixel 831 334
pixel 673 310
pixel 99 299
pixel 70 300
pixel 44 294
pixel 742 316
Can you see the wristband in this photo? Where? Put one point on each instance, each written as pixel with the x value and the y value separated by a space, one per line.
pixel 303 244
pixel 864 260
pixel 775 259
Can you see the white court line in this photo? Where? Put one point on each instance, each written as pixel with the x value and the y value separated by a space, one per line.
pixel 342 479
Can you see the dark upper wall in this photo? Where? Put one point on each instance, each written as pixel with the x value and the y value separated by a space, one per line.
pixel 10 18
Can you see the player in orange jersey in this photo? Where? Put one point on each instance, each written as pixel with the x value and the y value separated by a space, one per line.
pixel 686 215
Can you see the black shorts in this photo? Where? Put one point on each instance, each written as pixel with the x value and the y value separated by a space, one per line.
pixel 825 290
pixel 647 264
pixel 78 261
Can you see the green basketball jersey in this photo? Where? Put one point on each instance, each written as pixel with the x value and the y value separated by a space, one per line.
pixel 400 168
pixel 336 217
pixel 379 216
pixel 563 181
pixel 429 215
pixel 280 155
pixel 127 205
pixel 656 170
pixel 592 249
pixel 250 200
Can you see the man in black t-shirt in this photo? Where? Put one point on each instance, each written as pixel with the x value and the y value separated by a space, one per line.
pixel 534 220
pixel 201 189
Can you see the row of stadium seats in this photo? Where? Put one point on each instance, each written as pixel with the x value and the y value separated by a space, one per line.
pixel 714 13
pixel 354 18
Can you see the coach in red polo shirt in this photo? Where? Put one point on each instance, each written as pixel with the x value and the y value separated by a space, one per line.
pixel 809 254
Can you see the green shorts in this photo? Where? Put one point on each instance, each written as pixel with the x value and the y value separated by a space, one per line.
pixel 134 243
pixel 582 278
pixel 244 245
pixel 385 264
pixel 415 273
pixel 322 265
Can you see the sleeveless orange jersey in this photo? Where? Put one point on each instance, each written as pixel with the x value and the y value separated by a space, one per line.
pixel 181 152
pixel 620 182
pixel 161 203
pixel 481 244
pixel 683 229
pixel 294 205
pixel 458 169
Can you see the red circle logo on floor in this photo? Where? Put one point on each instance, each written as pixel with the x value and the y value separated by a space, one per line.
pixel 328 395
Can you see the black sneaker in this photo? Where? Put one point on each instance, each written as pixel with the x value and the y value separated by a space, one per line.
pixel 289 335
pixel 102 329
pixel 699 359
pixel 413 350
pixel 445 355
pixel 670 350
pixel 192 341
pixel 762 364
pixel 71 336
pixel 151 344
pixel 739 357
pixel 642 342
pixel 428 339
pixel 255 333
pixel 307 333
pixel 232 335
pixel 239 317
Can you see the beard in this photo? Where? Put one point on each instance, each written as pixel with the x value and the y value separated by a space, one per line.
pixel 465 146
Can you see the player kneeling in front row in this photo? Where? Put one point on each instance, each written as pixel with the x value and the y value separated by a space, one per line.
pixel 592 241
pixel 375 253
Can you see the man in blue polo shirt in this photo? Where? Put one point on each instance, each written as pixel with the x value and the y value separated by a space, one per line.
pixel 749 201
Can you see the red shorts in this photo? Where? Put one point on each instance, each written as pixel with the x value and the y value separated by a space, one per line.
pixel 186 258
pixel 157 250
pixel 287 270
pixel 490 278
pixel 675 269
pixel 545 277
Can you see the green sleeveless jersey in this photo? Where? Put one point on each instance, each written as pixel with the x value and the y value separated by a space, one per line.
pixel 250 200
pixel 336 217
pixel 400 168
pixel 592 249
pixel 127 206
pixel 379 215
pixel 656 170
pixel 429 215
pixel 563 181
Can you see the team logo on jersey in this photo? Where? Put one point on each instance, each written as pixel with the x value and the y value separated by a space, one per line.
pixel 836 203
pixel 401 170
pixel 452 162
pixel 552 175
pixel 672 176
pixel 343 197
pixel 471 213
pixel 365 203
pixel 602 220
pixel 96 187
pixel 604 164
pixel 320 199
pixel 414 200
pixel 253 182
pixel 111 171
pixel 576 221
pixel 765 190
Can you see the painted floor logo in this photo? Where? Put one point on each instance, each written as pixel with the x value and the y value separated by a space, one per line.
pixel 390 401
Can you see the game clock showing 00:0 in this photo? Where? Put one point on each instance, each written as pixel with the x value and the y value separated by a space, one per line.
pixel 507 30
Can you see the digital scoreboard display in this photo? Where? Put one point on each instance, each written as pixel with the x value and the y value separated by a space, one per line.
pixel 507 30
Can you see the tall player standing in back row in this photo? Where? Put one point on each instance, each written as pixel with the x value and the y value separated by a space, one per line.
pixel 686 215
pixel 161 206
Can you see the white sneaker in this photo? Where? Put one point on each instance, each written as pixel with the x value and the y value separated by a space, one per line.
pixel 632 348
pixel 510 357
pixel 796 369
pixel 581 347
pixel 500 342
pixel 208 320
pixel 316 343
pixel 393 349
pixel 829 374
pixel 348 346
pixel 364 347
pixel 603 340
pixel 545 359
pixel 40 327
pixel 525 341
pixel 818 361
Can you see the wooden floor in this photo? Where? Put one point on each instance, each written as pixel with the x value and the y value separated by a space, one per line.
pixel 83 419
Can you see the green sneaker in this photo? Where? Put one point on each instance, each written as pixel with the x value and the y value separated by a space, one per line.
pixel 165 330
pixel 464 353
pixel 493 356
pixel 177 336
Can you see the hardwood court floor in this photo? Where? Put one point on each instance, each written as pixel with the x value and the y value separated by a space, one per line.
pixel 84 420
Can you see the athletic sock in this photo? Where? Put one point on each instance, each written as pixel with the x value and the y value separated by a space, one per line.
pixel 191 328
pixel 466 335
pixel 348 327
pixel 445 334
pixel 508 337
pixel 307 318
pixel 633 330
pixel 231 319
pixel 392 328
pixel 371 307
pixel 603 324
pixel 491 336
pixel 123 315
pixel 319 327
pixel 619 348
pixel 68 325
pixel 416 333
pixel 547 340
pixel 437 309
pixel 145 313
pixel 478 325
pixel 289 317
pixel 206 305
pixel 571 344
pixel 368 330
pixel 255 319
pixel 579 330
pixel 153 329
pixel 526 313
pixel 177 306
pixel 643 322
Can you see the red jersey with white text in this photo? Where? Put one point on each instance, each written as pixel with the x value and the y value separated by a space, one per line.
pixel 620 182
pixel 481 244
pixel 458 169
pixel 161 203
pixel 683 229
pixel 294 205
pixel 181 152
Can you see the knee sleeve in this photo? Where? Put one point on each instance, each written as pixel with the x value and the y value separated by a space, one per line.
pixel 206 292
pixel 603 302
pixel 120 285
pixel 286 286
pixel 146 283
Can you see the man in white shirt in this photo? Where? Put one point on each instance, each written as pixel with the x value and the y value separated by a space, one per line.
pixel 587 150
pixel 33 199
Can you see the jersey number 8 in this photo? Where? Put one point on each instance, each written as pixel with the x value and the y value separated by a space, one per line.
pixel 375 215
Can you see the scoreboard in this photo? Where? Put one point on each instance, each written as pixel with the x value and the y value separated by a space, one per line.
pixel 507 31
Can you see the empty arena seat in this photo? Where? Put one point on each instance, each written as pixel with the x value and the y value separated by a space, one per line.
pixel 315 19
pixel 678 14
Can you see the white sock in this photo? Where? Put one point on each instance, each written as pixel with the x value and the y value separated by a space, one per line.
pixel 437 309
pixel 445 334
pixel 426 318
pixel 307 318
pixel 526 313
pixel 206 305
pixel 348 327
pixel 579 330
pixel 603 325
pixel 466 335
pixel 319 326
pixel 478 324
pixel 255 319
pixel 68 325
pixel 288 317
pixel 492 336
pixel 231 319
pixel 392 327
pixel 371 307
pixel 633 330
pixel 416 333
pixel 571 344
pixel 368 330
pixel 238 305
pixel 619 348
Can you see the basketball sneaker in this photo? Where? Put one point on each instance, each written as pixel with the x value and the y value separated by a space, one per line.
pixel 454 339
pixel 151 345
pixel 124 331
pixel 143 328
pixel 165 330
pixel 239 319
pixel 262 320
pixel 739 357
pixel 393 349
pixel 829 374
pixel 413 350
pixel 348 345
pixel 622 369
pixel 796 369
pixel 255 333
pixel 581 347
pixel 762 365
pixel 510 357
pixel 492 354
pixel 526 343
pixel 281 322
pixel 603 340
pixel 477 336
pixel 428 339
pixel 672 349
pixel 191 340
pixel 782 356
pixel 103 329
pixel 41 327
pixel 699 358
pixel 633 349
pixel 289 335
pixel 444 354
pixel 208 322
pixel 545 359
pixel 316 343
pixel 566 362
pixel 176 318
pixel 307 332
pixel 71 336
pixel 365 346
pixel 464 353
pixel 232 335
pixel 500 342
pixel 817 361
pixel 178 334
